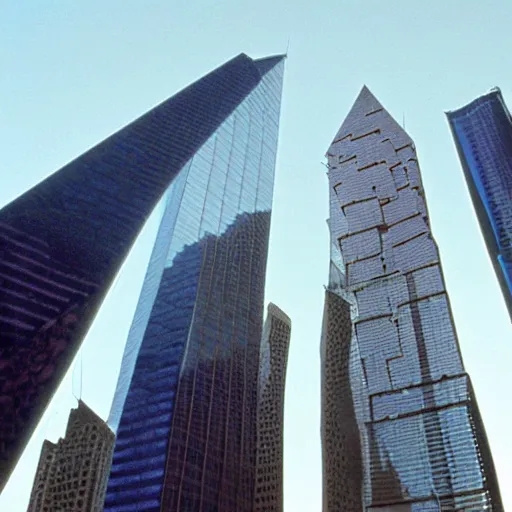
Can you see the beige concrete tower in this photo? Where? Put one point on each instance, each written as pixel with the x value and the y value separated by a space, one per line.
pixel 268 496
pixel 72 474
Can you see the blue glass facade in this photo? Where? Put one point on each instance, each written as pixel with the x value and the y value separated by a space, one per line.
pixel 423 445
pixel 483 135
pixel 62 242
pixel 185 404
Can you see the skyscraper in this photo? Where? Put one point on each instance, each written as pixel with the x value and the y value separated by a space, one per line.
pixel 268 496
pixel 422 442
pixel 341 445
pixel 62 242
pixel 185 407
pixel 482 131
pixel 72 474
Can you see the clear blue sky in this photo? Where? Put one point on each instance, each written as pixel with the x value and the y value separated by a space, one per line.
pixel 75 72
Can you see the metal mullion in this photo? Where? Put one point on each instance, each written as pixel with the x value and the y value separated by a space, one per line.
pixel 219 319
pixel 177 396
pixel 219 329
pixel 233 344
pixel 191 407
pixel 245 355
pixel 247 343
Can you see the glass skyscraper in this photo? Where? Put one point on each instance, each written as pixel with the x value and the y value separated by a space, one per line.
pixel 482 131
pixel 185 407
pixel 63 241
pixel 422 443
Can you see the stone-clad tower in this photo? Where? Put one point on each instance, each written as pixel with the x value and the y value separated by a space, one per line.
pixel 72 474
pixel 417 417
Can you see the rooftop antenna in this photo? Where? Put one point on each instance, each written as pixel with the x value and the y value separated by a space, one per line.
pixel 78 396
pixel 81 372
pixel 287 47
pixel 403 121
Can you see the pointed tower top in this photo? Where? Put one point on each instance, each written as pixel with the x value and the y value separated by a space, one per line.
pixel 367 97
pixel 364 104
pixel 267 63
pixel 362 119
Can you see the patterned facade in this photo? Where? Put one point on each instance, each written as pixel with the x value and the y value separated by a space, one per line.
pixel 185 407
pixel 72 474
pixel 268 496
pixel 417 417
pixel 63 241
pixel 483 136
pixel 341 447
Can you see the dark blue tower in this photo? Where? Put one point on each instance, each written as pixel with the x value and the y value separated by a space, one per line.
pixel 185 407
pixel 62 242
pixel 482 131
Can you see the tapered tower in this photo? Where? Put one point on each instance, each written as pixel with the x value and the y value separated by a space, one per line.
pixel 186 403
pixel 62 242
pixel 417 417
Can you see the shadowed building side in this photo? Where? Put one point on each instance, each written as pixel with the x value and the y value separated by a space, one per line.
pixel 341 446
pixel 72 474
pixel 388 492
pixel 63 241
pixel 268 496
